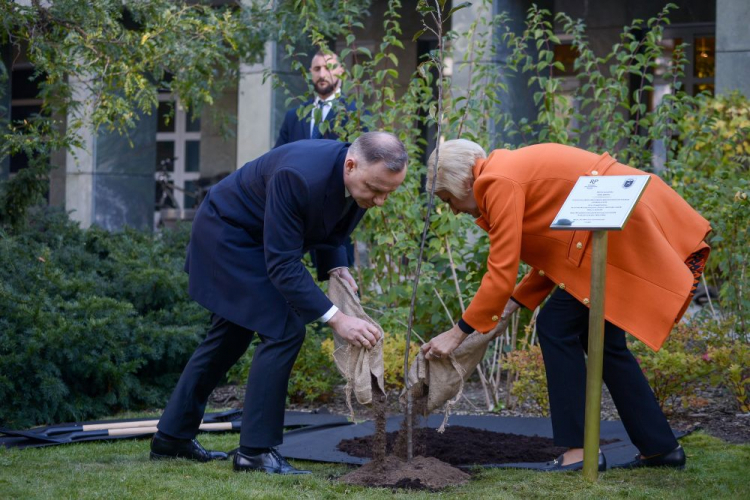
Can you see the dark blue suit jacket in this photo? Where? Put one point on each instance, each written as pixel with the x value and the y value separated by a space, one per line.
pixel 253 227
pixel 294 129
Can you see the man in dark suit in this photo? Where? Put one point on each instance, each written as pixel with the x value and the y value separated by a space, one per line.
pixel 325 72
pixel 244 261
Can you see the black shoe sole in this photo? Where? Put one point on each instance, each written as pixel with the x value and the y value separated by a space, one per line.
pixel 156 456
pixel 266 471
pixel 635 467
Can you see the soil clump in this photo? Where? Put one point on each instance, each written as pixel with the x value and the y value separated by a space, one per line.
pixel 393 470
pixel 426 473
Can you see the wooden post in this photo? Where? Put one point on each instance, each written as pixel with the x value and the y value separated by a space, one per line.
pixel 595 357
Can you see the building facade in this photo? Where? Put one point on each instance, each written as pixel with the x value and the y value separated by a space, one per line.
pixel 173 154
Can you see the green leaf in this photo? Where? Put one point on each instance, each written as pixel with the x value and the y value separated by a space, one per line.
pixel 457 8
pixel 365 51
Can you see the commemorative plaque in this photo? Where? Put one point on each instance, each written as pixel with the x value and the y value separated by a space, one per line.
pixel 600 202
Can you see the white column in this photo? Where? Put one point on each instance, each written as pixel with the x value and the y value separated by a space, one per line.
pixel 80 165
pixel 255 104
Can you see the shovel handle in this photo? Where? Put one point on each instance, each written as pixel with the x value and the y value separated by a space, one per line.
pixel 125 431
pixel 119 425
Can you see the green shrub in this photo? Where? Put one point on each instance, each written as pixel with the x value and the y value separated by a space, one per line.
pixel 732 370
pixel 712 172
pixel 93 322
pixel 530 385
pixel 696 355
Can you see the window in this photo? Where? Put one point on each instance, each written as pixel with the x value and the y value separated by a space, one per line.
pixel 699 73
pixel 566 54
pixel 24 104
pixel 178 136
pixel 701 61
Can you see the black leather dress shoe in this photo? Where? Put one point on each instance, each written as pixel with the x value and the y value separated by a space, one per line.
pixel 557 466
pixel 182 448
pixel 675 459
pixel 271 462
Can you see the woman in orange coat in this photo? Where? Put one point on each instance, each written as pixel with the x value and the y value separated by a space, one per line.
pixel 652 268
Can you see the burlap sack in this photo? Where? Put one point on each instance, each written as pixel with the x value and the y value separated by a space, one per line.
pixel 359 366
pixel 441 381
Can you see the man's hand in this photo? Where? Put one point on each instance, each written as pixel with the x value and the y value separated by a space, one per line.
pixel 344 274
pixel 357 332
pixel 444 344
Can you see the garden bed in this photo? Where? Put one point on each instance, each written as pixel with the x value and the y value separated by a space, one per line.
pixel 460 445
pixel 715 414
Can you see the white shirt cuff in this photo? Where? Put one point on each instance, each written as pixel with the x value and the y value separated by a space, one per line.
pixel 327 316
pixel 334 268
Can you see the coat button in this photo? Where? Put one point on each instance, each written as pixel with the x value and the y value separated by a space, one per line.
pixel 541 273
pixel 585 300
pixel 495 318
pixel 594 172
pixel 579 245
pixel 562 286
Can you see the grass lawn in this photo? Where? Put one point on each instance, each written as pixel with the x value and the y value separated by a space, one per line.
pixel 122 469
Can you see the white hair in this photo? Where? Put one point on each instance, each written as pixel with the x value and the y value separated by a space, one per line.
pixel 457 158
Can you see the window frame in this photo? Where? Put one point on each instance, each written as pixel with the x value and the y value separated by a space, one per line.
pixel 14 103
pixel 178 176
pixel 688 32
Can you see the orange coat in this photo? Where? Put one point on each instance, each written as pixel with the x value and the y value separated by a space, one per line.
pixel 648 283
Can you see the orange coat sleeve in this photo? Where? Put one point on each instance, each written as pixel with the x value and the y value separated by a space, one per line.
pixel 501 202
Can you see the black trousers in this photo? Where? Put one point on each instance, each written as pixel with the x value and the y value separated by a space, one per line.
pixel 265 398
pixel 562 326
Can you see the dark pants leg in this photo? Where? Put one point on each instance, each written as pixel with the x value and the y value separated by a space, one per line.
pixel 562 326
pixel 267 385
pixel 225 343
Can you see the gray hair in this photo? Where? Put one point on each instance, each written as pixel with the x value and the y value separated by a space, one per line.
pixel 457 158
pixel 376 147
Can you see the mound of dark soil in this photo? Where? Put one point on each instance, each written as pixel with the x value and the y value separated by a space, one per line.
pixel 422 473
pixel 465 446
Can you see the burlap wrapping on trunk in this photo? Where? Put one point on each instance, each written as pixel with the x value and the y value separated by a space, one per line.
pixel 361 367
pixel 441 381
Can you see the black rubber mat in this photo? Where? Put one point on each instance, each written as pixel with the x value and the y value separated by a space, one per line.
pixel 319 445
pixel 296 420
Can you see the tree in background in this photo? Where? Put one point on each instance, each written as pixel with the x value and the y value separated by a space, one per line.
pixel 101 64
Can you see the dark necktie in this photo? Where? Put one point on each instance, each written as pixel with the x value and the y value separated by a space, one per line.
pixel 316 129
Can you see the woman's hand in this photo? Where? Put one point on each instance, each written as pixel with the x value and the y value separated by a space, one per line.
pixel 444 344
